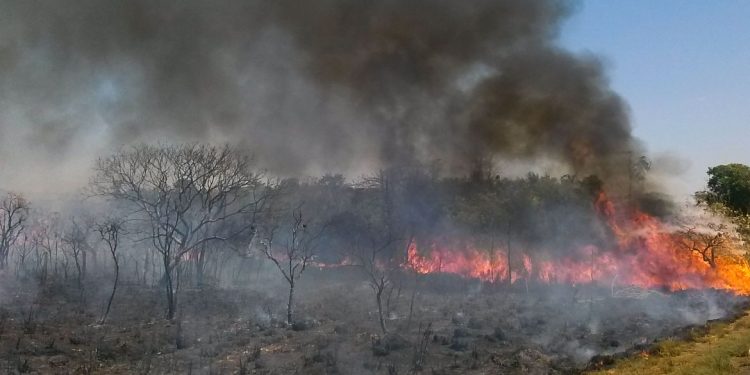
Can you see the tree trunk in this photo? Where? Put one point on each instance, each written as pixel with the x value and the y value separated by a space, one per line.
pixel 200 267
pixel 79 274
pixel 145 270
pixel 411 303
pixel 510 274
pixel 4 251
pixel 20 265
pixel 114 289
pixel 54 265
pixel 290 304
pixel 169 288
pixel 712 261
pixel 379 300
pixel 83 264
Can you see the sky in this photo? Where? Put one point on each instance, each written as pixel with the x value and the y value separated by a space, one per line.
pixel 684 68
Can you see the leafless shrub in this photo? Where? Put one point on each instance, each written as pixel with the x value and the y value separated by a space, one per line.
pixel 110 232
pixel 420 348
pixel 29 322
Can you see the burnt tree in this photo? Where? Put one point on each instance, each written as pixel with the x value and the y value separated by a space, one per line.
pixel 76 240
pixel 14 210
pixel 110 232
pixel 376 237
pixel 183 196
pixel 291 247
pixel 707 243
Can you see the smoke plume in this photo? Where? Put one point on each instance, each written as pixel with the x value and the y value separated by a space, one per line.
pixel 311 86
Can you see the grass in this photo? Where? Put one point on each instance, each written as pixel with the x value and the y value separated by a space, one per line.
pixel 723 350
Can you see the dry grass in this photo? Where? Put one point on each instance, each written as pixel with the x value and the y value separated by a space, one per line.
pixel 724 350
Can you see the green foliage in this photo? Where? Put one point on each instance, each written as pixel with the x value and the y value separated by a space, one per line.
pixel 729 185
pixel 728 194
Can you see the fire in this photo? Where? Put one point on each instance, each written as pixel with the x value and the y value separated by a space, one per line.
pixel 646 254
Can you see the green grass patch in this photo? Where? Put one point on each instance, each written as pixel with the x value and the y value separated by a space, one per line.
pixel 668 348
pixel 723 350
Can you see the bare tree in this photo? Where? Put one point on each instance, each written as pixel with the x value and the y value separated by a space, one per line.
pixel 378 269
pixel 48 239
pixel 110 232
pixel 706 242
pixel 23 249
pixel 76 240
pixel 293 251
pixel 184 196
pixel 374 239
pixel 14 210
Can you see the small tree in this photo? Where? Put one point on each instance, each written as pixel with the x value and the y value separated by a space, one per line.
pixel 76 241
pixel 14 210
pixel 378 266
pixel 110 232
pixel 294 250
pixel 48 239
pixel 24 249
pixel 373 237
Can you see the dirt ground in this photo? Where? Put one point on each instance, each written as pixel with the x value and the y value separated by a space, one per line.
pixel 437 324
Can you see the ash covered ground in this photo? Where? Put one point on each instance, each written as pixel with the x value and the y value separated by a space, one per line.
pixel 437 324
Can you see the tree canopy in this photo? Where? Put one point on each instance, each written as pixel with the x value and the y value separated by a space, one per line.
pixel 729 185
pixel 729 194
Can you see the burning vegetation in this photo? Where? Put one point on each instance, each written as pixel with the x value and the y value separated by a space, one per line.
pixel 644 251
pixel 217 252
pixel 407 270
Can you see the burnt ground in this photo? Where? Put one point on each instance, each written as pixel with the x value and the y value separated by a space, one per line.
pixel 455 326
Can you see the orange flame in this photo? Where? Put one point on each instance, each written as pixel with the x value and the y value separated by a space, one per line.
pixel 647 254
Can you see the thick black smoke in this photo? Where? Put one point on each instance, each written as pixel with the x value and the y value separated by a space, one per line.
pixel 306 85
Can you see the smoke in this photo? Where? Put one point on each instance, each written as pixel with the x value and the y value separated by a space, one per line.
pixel 329 85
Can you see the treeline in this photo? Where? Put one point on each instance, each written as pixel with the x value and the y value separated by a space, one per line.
pixel 178 216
